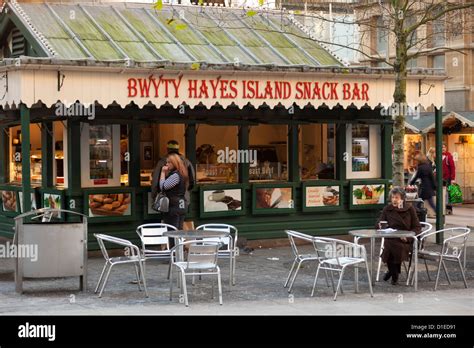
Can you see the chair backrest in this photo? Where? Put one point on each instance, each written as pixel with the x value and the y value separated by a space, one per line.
pixel 226 241
pixel 455 241
pixel 101 238
pixel 152 234
pixel 426 227
pixel 331 248
pixel 293 236
pixel 202 254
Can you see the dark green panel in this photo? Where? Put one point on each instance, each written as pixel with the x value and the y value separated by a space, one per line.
pixel 47 154
pixel 4 143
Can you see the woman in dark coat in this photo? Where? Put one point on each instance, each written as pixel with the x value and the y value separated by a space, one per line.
pixel 401 216
pixel 424 172
pixel 173 182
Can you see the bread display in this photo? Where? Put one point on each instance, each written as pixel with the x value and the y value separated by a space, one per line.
pixel 9 200
pixel 116 204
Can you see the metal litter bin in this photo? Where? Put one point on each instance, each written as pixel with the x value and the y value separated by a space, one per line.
pixel 61 247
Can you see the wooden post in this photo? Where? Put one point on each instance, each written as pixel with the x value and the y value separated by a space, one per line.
pixel 293 165
pixel 439 174
pixel 4 153
pixel 25 157
pixel 244 145
pixel 47 155
pixel 134 153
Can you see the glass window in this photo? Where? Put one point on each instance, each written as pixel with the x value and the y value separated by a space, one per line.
pixel 360 148
pixel 269 143
pixel 217 154
pixel 59 168
pixel 317 148
pixel 439 61
pixel 382 37
pixel 439 35
pixel 153 146
pixel 35 154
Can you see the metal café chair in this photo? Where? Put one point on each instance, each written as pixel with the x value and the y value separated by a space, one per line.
pixel 336 256
pixel 229 249
pixel 425 227
pixel 135 258
pixel 453 249
pixel 201 259
pixel 154 245
pixel 299 258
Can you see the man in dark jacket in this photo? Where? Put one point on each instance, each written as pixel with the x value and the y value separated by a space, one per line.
pixel 173 147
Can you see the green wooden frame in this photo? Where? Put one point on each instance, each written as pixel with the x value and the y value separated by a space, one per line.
pixel 353 183
pixel 33 192
pixel 146 214
pixel 15 189
pixel 58 192
pixel 321 183
pixel 109 190
pixel 205 188
pixel 272 211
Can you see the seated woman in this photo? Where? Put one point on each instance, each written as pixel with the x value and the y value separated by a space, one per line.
pixel 401 216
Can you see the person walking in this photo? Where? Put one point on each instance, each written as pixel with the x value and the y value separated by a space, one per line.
pixel 174 179
pixel 173 148
pixel 424 173
pixel 449 174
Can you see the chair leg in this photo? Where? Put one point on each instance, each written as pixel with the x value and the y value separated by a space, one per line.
pixel 137 272
pixel 379 265
pixel 332 279
pixel 339 284
pixel 219 285
pixel 142 271
pixel 326 276
pixel 185 291
pixel 169 270
pixel 289 274
pixel 100 278
pixel 105 281
pixel 446 273
pixel 233 269
pixel 294 276
pixel 439 270
pixel 370 280
pixel 462 272
pixel 427 272
pixel 230 269
pixel 315 280
pixel 171 281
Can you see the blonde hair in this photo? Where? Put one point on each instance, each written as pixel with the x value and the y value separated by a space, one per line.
pixel 179 166
pixel 431 154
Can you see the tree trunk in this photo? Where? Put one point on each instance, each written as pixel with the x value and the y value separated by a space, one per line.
pixel 399 99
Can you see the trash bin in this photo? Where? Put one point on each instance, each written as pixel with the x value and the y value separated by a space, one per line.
pixel 56 249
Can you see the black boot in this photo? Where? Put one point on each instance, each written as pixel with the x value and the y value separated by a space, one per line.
pixel 395 272
pixel 387 275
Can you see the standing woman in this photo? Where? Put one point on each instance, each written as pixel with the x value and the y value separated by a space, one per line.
pixel 174 180
pixel 400 216
pixel 424 172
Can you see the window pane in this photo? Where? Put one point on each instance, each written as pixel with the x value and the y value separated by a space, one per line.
pixel 101 152
pixel 153 146
pixel 217 154
pixel 317 149
pixel 360 148
pixel 270 144
pixel 438 62
pixel 35 154
pixel 58 164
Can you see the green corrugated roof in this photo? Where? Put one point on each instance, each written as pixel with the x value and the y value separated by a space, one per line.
pixel 176 33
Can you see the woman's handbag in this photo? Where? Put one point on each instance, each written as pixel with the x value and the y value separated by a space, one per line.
pixel 161 203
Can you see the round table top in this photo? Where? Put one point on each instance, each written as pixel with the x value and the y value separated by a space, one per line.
pixel 373 233
pixel 195 234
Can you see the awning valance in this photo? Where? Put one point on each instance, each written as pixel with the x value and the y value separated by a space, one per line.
pixel 33 83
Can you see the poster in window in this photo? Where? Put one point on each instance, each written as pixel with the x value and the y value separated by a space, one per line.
pixel 109 204
pixel 322 196
pixel 368 194
pixel 9 201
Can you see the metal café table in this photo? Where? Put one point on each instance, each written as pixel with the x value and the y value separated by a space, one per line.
pixel 372 234
pixel 200 234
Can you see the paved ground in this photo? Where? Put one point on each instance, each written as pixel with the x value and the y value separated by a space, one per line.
pixel 259 290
